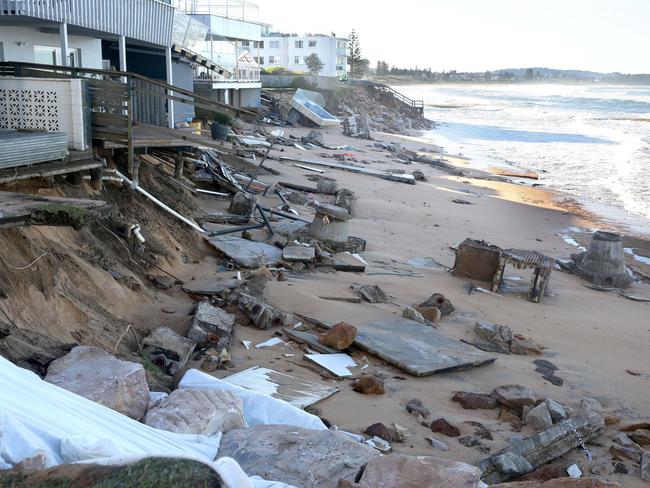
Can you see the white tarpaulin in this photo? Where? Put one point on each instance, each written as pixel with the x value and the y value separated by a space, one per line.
pixel 38 417
pixel 259 409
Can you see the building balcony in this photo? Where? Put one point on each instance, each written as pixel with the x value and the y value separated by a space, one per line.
pixel 143 20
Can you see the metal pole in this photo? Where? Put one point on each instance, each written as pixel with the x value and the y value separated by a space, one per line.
pixel 122 50
pixel 63 34
pixel 170 81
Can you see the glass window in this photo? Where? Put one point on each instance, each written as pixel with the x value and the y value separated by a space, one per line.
pixel 274 44
pixel 296 60
pixel 52 55
pixel 340 44
pixel 245 43
pixel 2 53
pixel 273 60
pixel 312 43
pixel 261 61
pixel 298 44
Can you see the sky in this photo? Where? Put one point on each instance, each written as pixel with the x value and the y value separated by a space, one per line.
pixel 480 35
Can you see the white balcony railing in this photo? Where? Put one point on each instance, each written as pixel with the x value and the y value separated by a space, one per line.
pixel 144 20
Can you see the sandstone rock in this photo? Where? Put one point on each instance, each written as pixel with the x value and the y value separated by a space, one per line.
pixel 340 337
pixel 368 385
pixel 296 456
pixel 645 466
pixel 590 405
pixel 432 314
pixel 197 412
pixel 612 419
pixel 443 427
pixel 634 426
pixel 402 471
pixel 437 444
pixel 412 314
pixel 400 433
pixel 99 376
pixel 381 431
pixel 512 464
pixel 546 473
pixel 557 411
pixel 539 418
pixel 507 415
pixel 524 345
pixel 560 483
pixel 474 401
pixel 641 437
pixel 416 405
pixel 493 337
pixel 514 396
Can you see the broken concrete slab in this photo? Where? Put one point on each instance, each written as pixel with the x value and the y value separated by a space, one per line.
pixel 418 350
pixel 203 412
pixel 211 324
pixel 297 456
pixel 295 391
pixel 346 261
pixel 249 254
pixel 99 376
pixel 547 445
pixel 168 349
pixel 403 471
pixel 299 253
pixel 211 287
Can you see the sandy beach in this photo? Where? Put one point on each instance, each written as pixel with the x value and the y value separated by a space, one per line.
pixel 594 338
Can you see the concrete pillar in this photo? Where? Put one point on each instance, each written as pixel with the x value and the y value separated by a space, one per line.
pixel 170 81
pixel 122 50
pixel 226 96
pixel 63 34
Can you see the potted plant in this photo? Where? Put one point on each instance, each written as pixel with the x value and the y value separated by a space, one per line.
pixel 221 123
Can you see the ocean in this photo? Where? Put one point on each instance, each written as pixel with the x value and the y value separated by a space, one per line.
pixel 590 141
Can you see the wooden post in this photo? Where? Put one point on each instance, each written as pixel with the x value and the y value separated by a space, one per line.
pixel 178 168
pixel 133 169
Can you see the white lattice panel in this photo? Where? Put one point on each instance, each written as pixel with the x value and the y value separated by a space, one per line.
pixel 29 109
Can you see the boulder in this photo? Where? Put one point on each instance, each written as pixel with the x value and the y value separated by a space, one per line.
pixel 514 396
pixel 368 385
pixel 243 204
pixel 511 464
pixel 493 337
pixel 539 418
pixel 381 431
pixel 416 405
pixel 197 412
pixel 443 427
pixel 524 345
pixel 99 376
pixel 557 411
pixel 474 401
pixel 340 337
pixel 403 471
pixel 296 456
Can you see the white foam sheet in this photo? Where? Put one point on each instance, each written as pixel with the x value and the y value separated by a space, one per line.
pixel 38 417
pixel 259 409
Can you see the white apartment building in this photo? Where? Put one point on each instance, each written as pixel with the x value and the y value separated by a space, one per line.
pixel 290 50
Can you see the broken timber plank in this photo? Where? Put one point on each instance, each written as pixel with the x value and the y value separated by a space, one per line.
pixel 385 175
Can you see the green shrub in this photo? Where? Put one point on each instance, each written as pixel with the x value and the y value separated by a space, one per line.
pixel 222 118
pixel 302 82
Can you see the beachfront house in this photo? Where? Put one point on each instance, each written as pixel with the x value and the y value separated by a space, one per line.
pixel 191 44
pixel 290 50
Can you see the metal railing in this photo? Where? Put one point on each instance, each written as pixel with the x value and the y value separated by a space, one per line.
pixel 144 20
pixel 230 9
pixel 416 104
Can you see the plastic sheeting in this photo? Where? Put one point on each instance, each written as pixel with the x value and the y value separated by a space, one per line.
pixel 38 417
pixel 259 409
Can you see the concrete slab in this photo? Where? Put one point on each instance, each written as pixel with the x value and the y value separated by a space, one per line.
pixel 249 254
pixel 211 287
pixel 299 253
pixel 418 349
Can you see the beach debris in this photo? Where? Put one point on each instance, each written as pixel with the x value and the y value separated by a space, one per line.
pixel 346 261
pixel 342 299
pixel 412 314
pixel 539 417
pixel 99 376
pixel 272 451
pixel 368 385
pixel 380 430
pixel 603 263
pixel 479 260
pixel 417 406
pixel 243 203
pixel 298 392
pixel 436 444
pixel 403 471
pixel 548 369
pixel 211 287
pixel 645 466
pixel 515 397
pixel 167 349
pixel 261 314
pixel 439 301
pixel 557 411
pixel 340 337
pixel 500 338
pixel 514 172
pixel 211 325
pixel 338 364
pixel 431 314
pixel 544 446
pixel 474 401
pixel 442 426
pixel 330 223
pixel 273 341
pixel 357 126
pixel 220 411
pixel 625 448
pixel 372 294
pixel 377 443
pixel 309 338
pixel 303 254
pixel 346 199
pixel 511 464
pixel 248 254
pixel 462 201
pixel 327 186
